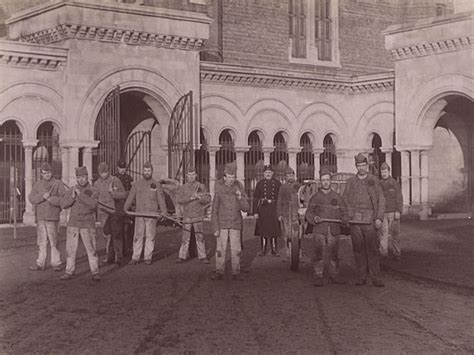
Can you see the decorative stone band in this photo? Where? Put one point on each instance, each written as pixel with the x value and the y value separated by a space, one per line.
pixel 71 31
pixel 32 56
pixel 424 49
pixel 226 74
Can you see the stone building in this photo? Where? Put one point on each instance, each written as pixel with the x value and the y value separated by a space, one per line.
pixel 299 82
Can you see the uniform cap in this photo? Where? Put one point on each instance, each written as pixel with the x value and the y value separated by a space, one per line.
pixel 360 158
pixel 289 171
pixel 81 171
pixel 324 171
pixel 103 167
pixel 45 167
pixel 148 165
pixel 384 166
pixel 122 164
pixel 267 168
pixel 230 168
pixel 191 169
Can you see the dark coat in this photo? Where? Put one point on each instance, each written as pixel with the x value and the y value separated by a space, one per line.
pixel 393 195
pixel 265 204
pixel 329 205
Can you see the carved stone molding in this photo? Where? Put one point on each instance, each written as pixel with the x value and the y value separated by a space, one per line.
pixel 226 74
pixel 32 56
pixel 114 35
pixel 425 49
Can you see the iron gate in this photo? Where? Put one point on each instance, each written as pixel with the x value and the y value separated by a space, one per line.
pixel 226 153
pixel 180 138
pixel 12 172
pixel 107 132
pixel 328 158
pixel 253 160
pixel 279 157
pixel 202 161
pixel 137 152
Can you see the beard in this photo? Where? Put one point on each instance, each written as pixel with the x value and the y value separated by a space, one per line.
pixel 147 176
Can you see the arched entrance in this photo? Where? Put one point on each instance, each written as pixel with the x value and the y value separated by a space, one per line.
pixel 328 158
pixel 131 125
pixel 450 161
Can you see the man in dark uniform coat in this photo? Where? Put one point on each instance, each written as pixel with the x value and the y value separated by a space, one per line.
pixel 129 222
pixel 265 202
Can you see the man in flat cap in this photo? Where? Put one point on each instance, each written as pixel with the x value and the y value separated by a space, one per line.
pixel 390 231
pixel 82 199
pixel 128 223
pixel 112 196
pixel 148 196
pixel 326 204
pixel 194 198
pixel 265 207
pixel 46 196
pixel 366 204
pixel 228 204
pixel 287 207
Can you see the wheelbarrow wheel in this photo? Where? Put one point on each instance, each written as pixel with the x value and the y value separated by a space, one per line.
pixel 294 252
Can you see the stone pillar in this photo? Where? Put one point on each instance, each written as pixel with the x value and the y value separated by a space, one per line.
pixel 425 210
pixel 317 166
pixel 29 214
pixel 388 155
pixel 345 160
pixel 73 164
pixel 65 164
pixel 266 154
pixel 212 167
pixel 87 157
pixel 405 177
pixel 415 178
pixel 240 161
pixel 292 154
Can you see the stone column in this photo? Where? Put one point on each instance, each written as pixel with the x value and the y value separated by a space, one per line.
pixel 266 154
pixel 212 167
pixel 87 157
pixel 65 164
pixel 405 177
pixel 415 178
pixel 425 211
pixel 240 161
pixel 292 154
pixel 317 166
pixel 29 214
pixel 388 155
pixel 73 164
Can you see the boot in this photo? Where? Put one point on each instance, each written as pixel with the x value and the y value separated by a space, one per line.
pixel 274 247
pixel 263 246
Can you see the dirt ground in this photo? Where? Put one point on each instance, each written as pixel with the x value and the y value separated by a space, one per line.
pixel 176 308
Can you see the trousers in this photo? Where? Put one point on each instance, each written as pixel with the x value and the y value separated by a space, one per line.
pixel 47 231
pixel 88 237
pixel 232 237
pixel 186 237
pixel 366 250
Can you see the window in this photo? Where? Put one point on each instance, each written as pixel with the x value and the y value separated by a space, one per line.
pixel 313 32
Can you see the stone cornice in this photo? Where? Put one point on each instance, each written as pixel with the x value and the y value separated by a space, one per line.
pixel 265 77
pixel 114 35
pixel 437 47
pixel 32 56
pixel 131 24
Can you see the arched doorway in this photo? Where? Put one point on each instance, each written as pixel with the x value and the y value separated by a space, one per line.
pixel 450 161
pixel 376 158
pixel 201 157
pixel 131 125
pixel 12 172
pixel 279 157
pixel 328 158
pixel 226 153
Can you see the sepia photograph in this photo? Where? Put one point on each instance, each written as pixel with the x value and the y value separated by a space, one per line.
pixel 236 177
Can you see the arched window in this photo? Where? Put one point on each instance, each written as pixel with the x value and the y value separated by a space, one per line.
pixel 226 153
pixel 279 157
pixel 305 159
pixel 328 158
pixel 47 150
pixel 202 160
pixel 253 164
pixel 12 169
pixel 376 157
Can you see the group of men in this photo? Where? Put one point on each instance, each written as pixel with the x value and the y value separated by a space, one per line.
pixel 371 208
